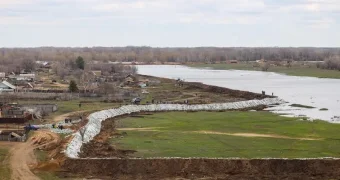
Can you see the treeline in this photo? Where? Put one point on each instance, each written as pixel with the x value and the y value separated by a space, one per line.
pixel 181 55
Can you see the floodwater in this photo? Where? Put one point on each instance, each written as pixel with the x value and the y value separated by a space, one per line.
pixel 315 92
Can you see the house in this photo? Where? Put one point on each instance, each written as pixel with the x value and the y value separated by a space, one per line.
pixel 28 86
pixel 43 64
pixel 129 79
pixel 7 87
pixel 97 73
pixel 145 81
pixel 142 85
pixel 22 77
pixel 28 77
pixel 2 75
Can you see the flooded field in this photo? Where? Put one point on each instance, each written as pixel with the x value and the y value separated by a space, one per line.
pixel 321 94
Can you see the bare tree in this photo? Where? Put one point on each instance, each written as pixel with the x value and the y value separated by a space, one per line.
pixel 87 79
pixel 107 88
pixel 28 65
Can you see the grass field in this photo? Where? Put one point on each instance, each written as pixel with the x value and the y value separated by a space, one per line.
pixel 5 172
pixel 227 134
pixel 296 70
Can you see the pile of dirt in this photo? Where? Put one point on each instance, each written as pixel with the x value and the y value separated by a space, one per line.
pixel 99 147
pixel 45 140
pixel 56 157
pixel 103 150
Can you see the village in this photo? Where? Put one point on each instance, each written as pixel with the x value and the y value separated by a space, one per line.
pixel 42 107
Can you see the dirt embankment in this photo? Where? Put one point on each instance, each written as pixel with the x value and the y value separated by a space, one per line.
pixel 205 168
pixel 99 146
pixel 197 93
pixel 221 90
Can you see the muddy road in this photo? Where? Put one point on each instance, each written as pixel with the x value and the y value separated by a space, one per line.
pixel 22 157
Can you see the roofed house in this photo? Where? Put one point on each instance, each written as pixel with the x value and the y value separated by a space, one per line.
pixel 97 73
pixel 129 79
pixel 26 86
pixel 6 87
pixel 28 76
pixel 43 64
pixel 2 75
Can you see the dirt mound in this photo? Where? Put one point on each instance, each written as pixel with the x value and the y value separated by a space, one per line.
pixel 56 158
pixel 53 165
pixel 100 148
pixel 45 140
pixel 103 150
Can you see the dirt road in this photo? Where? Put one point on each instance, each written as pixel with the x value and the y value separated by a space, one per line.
pixel 21 158
pixel 63 116
pixel 22 154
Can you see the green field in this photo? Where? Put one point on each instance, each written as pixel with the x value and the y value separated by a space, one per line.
pixel 5 172
pixel 295 70
pixel 180 134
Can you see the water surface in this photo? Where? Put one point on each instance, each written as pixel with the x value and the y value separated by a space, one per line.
pixel 316 92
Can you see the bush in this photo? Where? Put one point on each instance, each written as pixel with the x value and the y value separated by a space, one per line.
pixel 332 63
pixel 265 67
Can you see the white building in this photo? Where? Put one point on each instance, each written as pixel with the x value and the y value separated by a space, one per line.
pixel 6 87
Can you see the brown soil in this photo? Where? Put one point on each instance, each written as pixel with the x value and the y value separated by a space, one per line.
pixel 100 148
pixel 234 169
pixel 195 93
pixel 21 159
pixel 63 116
pixel 221 90
pixel 22 156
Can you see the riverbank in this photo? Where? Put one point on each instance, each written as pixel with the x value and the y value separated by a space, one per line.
pixel 296 70
pixel 163 90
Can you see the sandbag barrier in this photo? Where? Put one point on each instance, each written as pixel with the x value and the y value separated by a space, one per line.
pixel 93 126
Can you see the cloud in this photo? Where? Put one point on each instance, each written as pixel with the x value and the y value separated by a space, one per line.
pixel 167 11
pixel 11 3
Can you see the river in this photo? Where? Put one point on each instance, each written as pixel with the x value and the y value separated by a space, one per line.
pixel 315 92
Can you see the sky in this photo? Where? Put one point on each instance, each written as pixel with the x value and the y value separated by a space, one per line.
pixel 170 23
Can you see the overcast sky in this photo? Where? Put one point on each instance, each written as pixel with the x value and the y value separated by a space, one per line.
pixel 169 23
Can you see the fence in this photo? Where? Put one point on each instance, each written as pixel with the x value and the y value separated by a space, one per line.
pixel 46 108
pixel 13 120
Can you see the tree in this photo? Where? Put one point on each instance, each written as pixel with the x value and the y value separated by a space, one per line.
pixel 80 63
pixel 28 65
pixel 87 79
pixel 107 88
pixel 73 86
